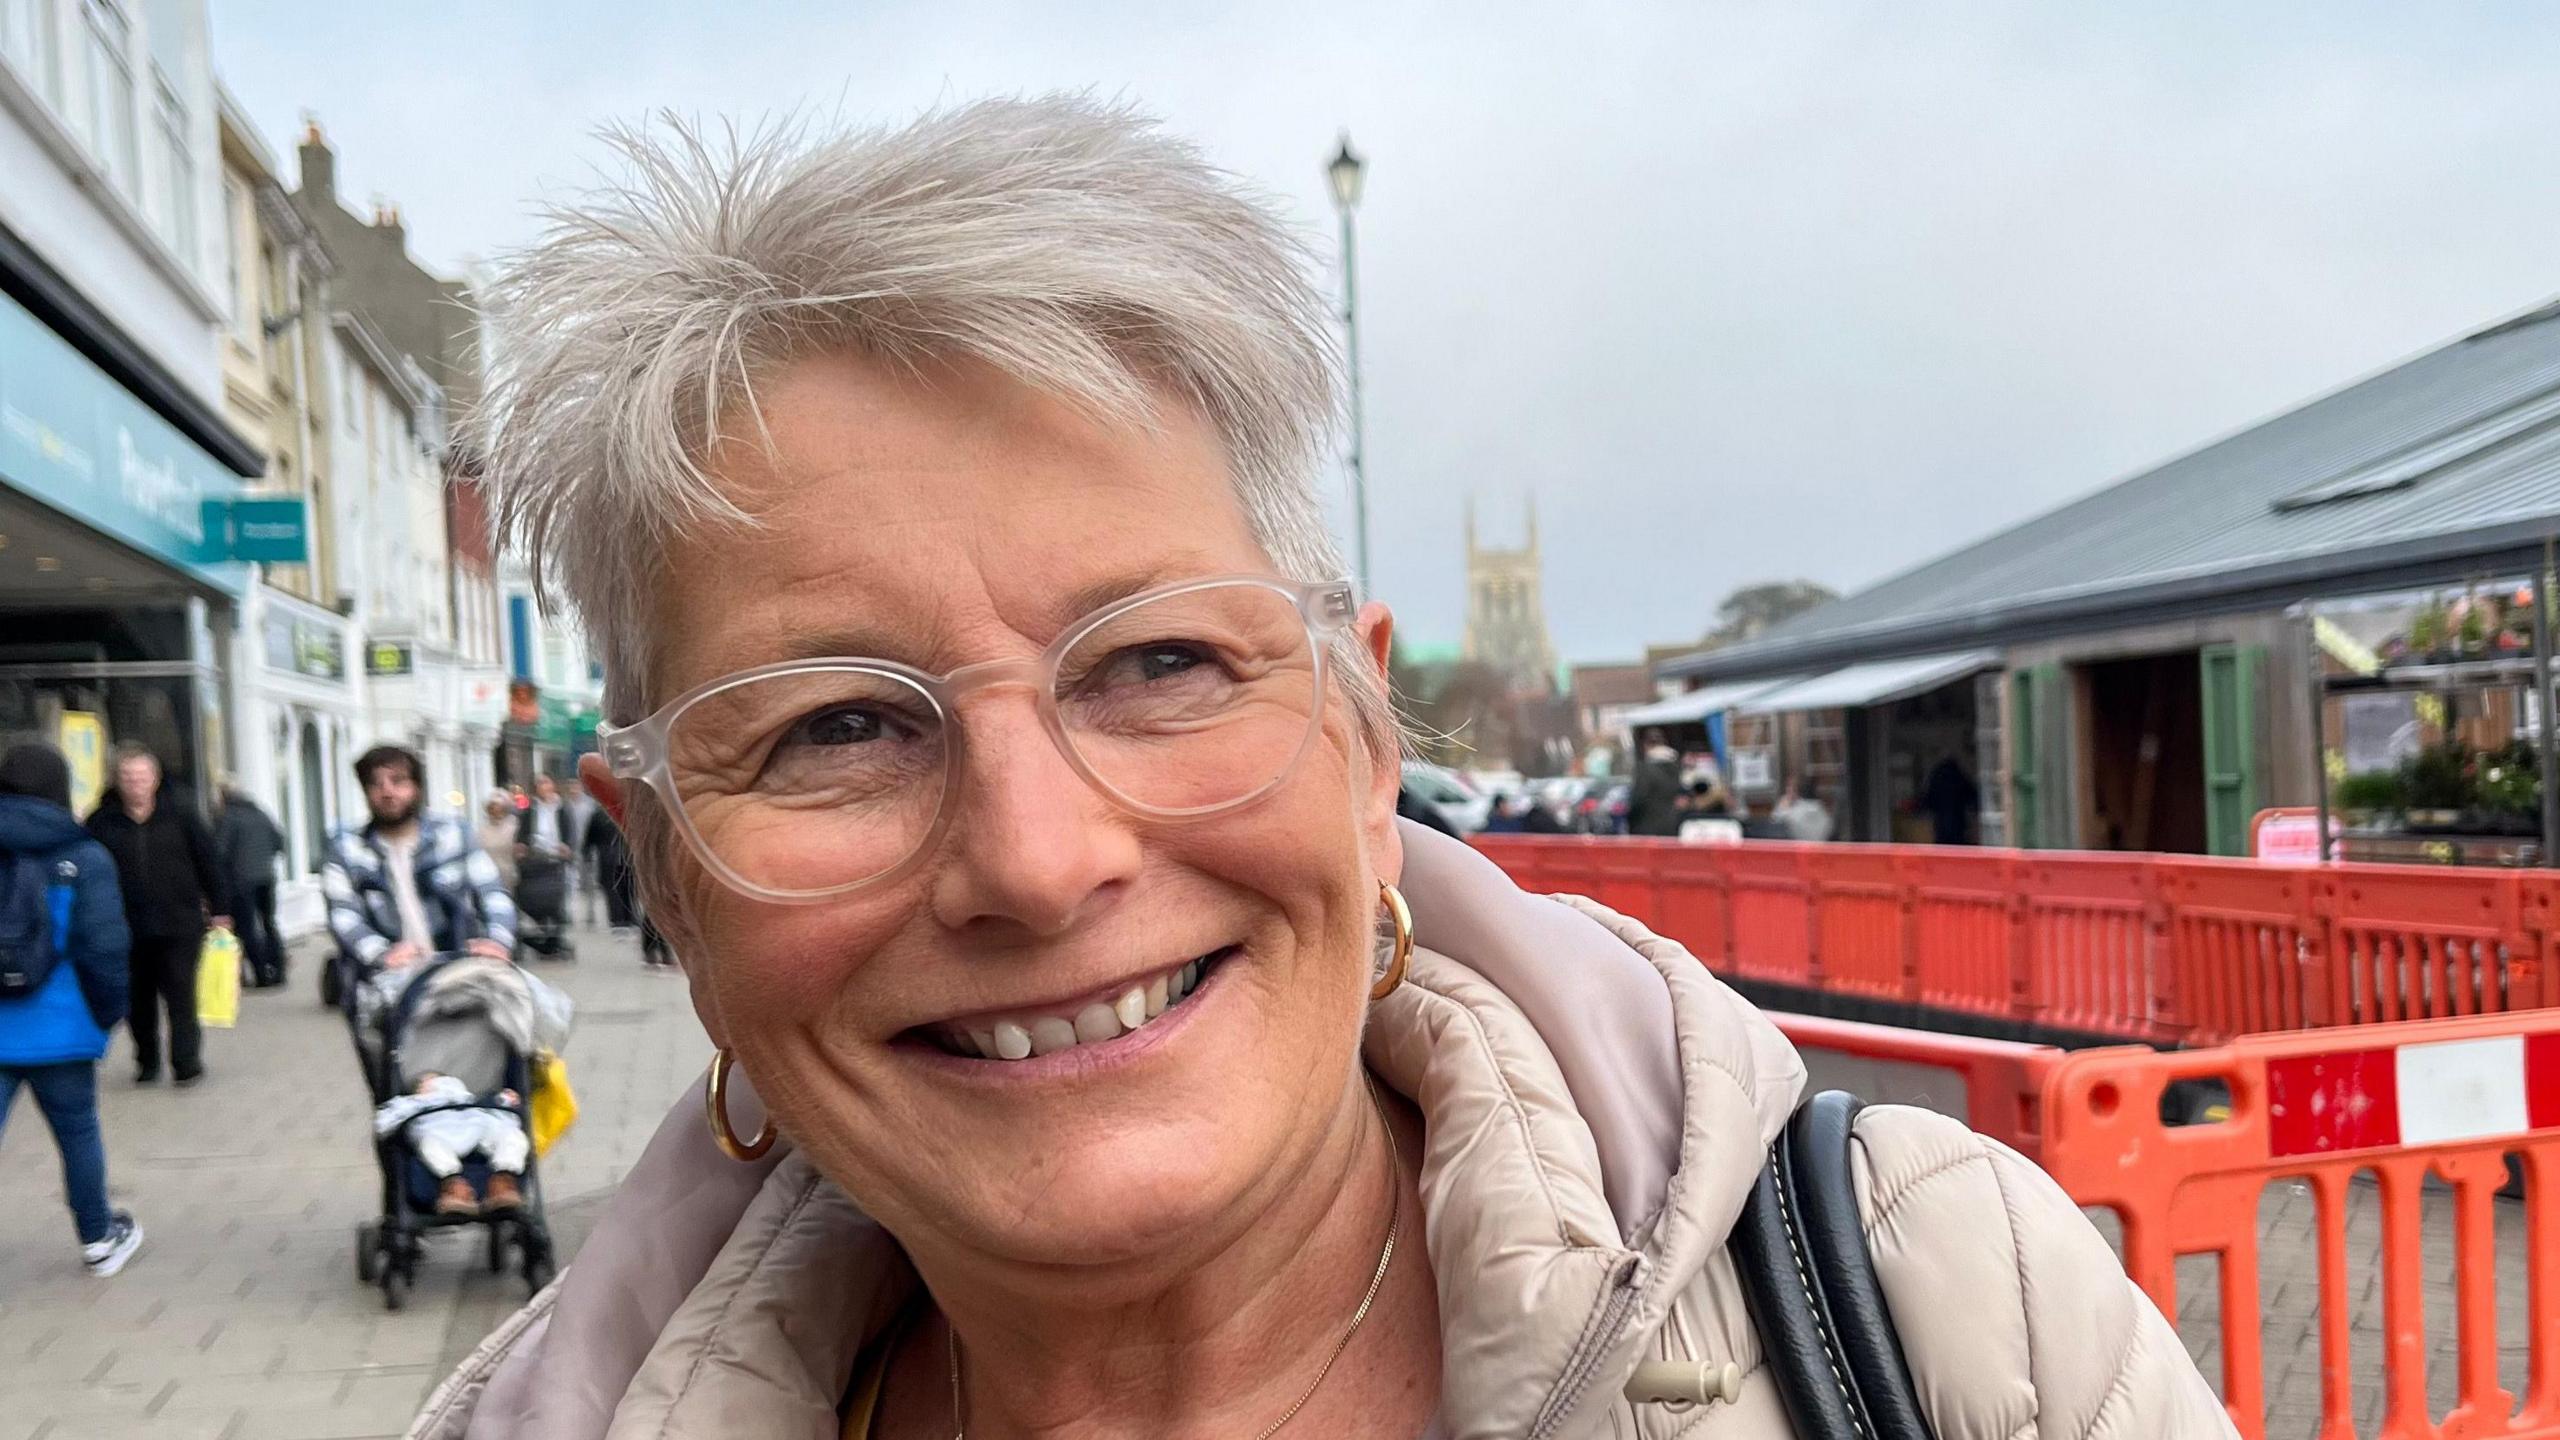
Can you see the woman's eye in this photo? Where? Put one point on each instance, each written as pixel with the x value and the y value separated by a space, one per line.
pixel 844 725
pixel 1145 664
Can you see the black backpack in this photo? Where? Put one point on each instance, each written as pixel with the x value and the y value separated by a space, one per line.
pixel 27 950
pixel 1811 1287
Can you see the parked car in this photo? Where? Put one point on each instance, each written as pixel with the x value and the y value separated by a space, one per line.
pixel 1610 815
pixel 1458 802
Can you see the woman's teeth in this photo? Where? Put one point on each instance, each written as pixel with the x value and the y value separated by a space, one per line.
pixel 1021 1037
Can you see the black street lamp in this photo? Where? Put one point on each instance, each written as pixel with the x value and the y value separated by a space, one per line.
pixel 1345 173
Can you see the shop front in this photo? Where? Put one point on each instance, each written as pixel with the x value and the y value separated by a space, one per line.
pixel 445 709
pixel 1893 747
pixel 119 581
pixel 298 723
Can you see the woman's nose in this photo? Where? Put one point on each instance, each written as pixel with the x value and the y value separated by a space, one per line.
pixel 1028 844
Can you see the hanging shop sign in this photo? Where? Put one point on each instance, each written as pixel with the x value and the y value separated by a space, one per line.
pixel 298 647
pixel 268 530
pixel 75 439
pixel 389 657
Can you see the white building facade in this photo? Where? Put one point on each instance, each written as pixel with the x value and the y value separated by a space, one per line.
pixel 425 686
pixel 117 597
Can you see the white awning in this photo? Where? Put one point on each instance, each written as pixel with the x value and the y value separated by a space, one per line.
pixel 1694 706
pixel 1877 682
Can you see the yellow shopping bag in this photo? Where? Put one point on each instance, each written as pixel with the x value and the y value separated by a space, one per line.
pixel 555 1105
pixel 218 980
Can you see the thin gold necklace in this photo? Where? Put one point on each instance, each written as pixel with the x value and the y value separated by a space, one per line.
pixel 1378 1278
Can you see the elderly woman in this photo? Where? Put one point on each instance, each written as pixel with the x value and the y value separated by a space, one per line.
pixel 1000 745
pixel 496 834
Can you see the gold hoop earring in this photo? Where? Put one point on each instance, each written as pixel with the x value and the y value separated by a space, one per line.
pixel 715 1106
pixel 1402 918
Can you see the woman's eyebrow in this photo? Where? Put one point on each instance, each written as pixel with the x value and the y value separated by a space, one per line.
pixel 859 639
pixel 850 641
pixel 1110 589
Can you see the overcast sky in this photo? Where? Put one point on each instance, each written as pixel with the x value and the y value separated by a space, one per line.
pixel 1739 291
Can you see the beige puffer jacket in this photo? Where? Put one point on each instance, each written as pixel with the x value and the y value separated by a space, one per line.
pixel 1596 1107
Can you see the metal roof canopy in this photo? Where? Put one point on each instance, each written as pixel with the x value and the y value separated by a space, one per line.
pixel 1877 682
pixel 2246 523
pixel 1695 706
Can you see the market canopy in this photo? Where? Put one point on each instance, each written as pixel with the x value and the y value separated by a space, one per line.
pixel 1877 682
pixel 2438 471
pixel 1693 707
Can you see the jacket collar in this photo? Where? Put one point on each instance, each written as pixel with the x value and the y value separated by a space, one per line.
pixel 1596 1107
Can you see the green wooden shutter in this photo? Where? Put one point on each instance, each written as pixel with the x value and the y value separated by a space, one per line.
pixel 2231 796
pixel 2033 766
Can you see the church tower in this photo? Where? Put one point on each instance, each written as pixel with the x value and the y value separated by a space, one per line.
pixel 1506 610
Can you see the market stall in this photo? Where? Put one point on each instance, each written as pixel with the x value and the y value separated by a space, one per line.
pixel 2429 724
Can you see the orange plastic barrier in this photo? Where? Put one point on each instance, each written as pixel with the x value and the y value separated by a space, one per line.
pixel 2401 1103
pixel 2003 1082
pixel 2167 950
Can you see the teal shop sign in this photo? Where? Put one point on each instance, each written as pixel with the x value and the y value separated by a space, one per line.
pixel 270 531
pixel 75 439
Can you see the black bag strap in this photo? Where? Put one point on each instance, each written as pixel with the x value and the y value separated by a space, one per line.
pixel 1812 1291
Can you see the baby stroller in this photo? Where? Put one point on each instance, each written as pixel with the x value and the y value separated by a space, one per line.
pixel 427 1028
pixel 542 907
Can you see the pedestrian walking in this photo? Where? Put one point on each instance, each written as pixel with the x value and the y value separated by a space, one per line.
pixel 577 811
pixel 63 946
pixel 655 952
pixel 248 841
pixel 172 889
pixel 407 886
pixel 546 856
pixel 496 834
pixel 1653 802
pixel 611 855
pixel 1801 812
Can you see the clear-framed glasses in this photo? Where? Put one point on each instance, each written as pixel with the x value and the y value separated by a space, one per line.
pixel 808 779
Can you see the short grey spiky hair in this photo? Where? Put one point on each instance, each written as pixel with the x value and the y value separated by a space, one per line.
pixel 1071 244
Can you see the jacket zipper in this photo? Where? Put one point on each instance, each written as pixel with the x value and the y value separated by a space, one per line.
pixel 1584 1362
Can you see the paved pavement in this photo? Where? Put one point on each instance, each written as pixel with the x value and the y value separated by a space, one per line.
pixel 2290 1300
pixel 241 1317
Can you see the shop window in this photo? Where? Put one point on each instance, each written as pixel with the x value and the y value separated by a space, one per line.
pixel 30 44
pixel 111 94
pixel 173 171
pixel 235 287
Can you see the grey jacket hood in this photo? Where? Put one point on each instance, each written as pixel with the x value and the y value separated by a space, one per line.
pixel 1596 1107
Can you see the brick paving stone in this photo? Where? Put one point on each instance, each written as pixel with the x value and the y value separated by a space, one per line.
pixel 241 1318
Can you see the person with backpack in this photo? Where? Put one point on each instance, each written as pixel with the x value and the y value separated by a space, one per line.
pixel 172 889
pixel 63 945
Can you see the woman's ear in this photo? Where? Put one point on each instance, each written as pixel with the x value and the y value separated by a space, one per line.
pixel 602 784
pixel 1383 744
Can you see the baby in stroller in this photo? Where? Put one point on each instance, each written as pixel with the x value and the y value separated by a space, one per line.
pixel 448 1124
pixel 448 1053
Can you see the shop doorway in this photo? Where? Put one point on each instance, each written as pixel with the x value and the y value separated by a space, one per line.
pixel 315 799
pixel 1920 785
pixel 2142 770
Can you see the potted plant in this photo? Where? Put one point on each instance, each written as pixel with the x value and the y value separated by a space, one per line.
pixel 2515 637
pixel 2472 617
pixel 2438 785
pixel 2430 631
pixel 2371 793
pixel 2509 791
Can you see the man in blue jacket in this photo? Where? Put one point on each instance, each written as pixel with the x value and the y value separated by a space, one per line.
pixel 63 949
